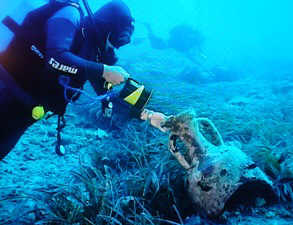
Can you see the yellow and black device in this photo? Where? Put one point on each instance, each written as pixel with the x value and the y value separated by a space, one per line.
pixel 136 95
pixel 133 95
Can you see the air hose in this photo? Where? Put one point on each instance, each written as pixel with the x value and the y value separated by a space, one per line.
pixel 64 82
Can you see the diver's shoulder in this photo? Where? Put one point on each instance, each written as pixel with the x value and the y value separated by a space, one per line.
pixel 70 13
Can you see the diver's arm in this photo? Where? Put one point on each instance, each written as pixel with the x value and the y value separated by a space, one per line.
pixel 59 58
pixel 61 30
pixel 60 35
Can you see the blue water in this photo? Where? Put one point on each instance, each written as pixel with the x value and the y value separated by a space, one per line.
pixel 243 34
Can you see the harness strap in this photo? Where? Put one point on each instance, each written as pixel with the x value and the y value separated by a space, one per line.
pixel 14 27
pixel 11 25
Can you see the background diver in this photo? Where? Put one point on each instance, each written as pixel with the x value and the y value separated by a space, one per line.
pixel 182 38
pixel 58 40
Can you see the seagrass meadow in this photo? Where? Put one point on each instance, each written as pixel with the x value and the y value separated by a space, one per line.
pixel 239 78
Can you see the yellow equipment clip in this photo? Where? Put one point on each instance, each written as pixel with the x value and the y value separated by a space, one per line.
pixel 38 112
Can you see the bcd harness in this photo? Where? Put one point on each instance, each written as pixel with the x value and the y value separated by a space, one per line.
pixel 132 96
pixel 29 38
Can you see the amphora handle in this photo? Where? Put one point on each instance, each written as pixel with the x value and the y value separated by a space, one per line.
pixel 207 133
pixel 199 125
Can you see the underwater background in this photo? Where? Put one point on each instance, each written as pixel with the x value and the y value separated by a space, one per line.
pixel 229 61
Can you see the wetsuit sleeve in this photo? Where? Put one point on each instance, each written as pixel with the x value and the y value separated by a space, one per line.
pixel 61 30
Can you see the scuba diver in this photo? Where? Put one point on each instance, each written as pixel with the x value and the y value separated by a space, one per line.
pixel 53 53
pixel 186 40
pixel 182 38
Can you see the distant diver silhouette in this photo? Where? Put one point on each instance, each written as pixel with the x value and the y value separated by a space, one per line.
pixel 182 38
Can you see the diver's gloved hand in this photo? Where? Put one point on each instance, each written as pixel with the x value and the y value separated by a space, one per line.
pixel 156 119
pixel 115 74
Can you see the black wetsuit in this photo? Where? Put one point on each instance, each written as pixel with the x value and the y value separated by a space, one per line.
pixel 74 48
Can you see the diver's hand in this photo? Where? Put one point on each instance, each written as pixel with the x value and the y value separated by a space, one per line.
pixel 115 74
pixel 156 119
